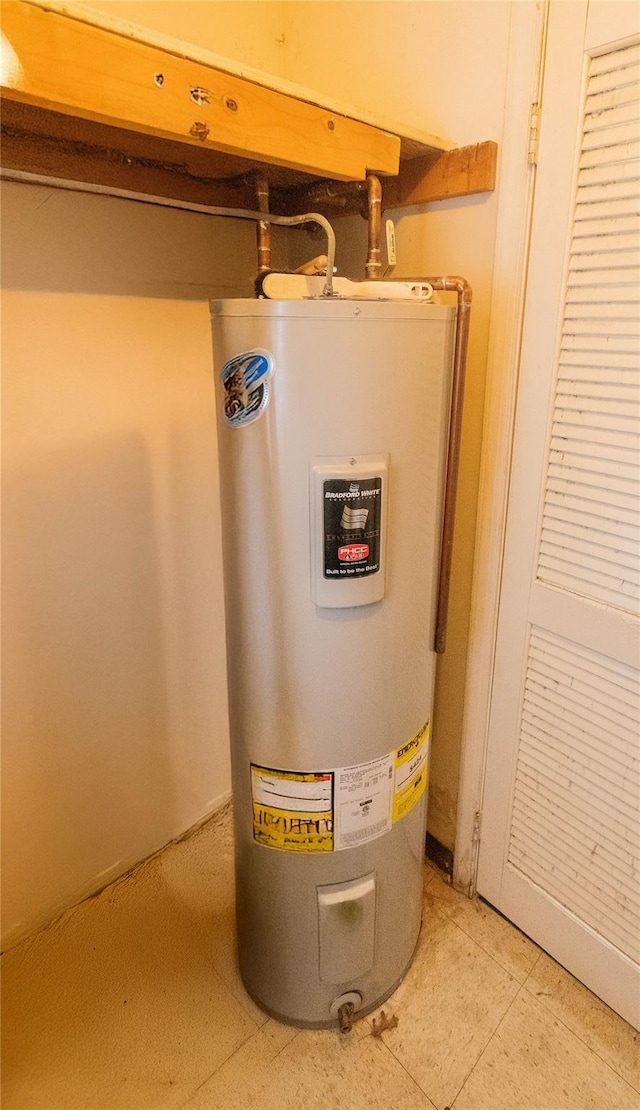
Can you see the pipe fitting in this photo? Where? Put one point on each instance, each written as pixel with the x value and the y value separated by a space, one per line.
pixel 343 1009
pixel 345 1017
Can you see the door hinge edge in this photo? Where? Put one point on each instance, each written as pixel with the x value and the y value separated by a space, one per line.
pixel 534 128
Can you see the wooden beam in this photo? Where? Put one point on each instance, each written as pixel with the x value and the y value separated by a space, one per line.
pixel 55 145
pixel 61 64
pixel 72 160
pixel 456 173
pixel 439 176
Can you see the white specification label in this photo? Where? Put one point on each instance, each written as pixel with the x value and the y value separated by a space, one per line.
pixel 362 803
pixel 289 790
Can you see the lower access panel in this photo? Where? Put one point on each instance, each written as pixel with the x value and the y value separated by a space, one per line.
pixel 346 914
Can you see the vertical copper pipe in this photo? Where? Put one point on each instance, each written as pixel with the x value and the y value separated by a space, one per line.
pixel 263 231
pixel 462 288
pixel 373 267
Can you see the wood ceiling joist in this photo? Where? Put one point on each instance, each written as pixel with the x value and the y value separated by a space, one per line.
pixel 64 65
pixel 100 105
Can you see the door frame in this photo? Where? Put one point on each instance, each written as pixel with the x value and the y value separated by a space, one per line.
pixel 516 185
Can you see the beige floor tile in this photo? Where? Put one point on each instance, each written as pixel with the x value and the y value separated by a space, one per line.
pixel 200 866
pixel 448 1006
pixel 134 1001
pixel 283 1069
pixel 118 1005
pixel 600 1028
pixel 225 961
pixel 200 872
pixel 508 946
pixel 535 1063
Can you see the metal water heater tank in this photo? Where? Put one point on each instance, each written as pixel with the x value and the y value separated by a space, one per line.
pixel 332 423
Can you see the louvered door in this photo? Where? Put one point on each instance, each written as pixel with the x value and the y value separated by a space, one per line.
pixel 560 833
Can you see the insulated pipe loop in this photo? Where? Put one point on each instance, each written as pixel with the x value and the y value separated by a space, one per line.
pixel 287 221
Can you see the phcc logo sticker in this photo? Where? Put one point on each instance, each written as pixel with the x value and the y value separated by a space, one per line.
pixel 245 379
pixel 353 552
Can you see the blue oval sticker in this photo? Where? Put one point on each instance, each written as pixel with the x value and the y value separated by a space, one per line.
pixel 245 379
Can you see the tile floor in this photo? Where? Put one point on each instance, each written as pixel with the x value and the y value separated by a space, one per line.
pixel 133 1000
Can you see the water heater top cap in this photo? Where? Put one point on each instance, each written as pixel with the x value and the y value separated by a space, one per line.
pixel 332 308
pixel 296 287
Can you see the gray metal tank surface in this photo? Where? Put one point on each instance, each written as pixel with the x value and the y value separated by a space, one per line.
pixel 330 703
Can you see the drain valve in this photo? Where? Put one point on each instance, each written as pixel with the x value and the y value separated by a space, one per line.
pixel 345 1014
pixel 344 1007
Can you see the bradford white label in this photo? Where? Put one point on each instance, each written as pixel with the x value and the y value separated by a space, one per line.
pixel 352 520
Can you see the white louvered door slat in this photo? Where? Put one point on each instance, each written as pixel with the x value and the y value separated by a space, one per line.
pixel 624 113
pixel 583 352
pixel 608 156
pixel 627 171
pixel 560 838
pixel 590 242
pixel 606 62
pixel 605 259
pixel 610 459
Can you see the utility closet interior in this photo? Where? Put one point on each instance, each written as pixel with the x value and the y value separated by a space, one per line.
pixel 123 125
pixel 320 553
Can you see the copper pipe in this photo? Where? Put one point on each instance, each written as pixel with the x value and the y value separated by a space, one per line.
pixel 462 288
pixel 373 267
pixel 367 196
pixel 329 194
pixel 263 231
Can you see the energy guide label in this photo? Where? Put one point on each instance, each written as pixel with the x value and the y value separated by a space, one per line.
pixel 328 811
pixel 411 768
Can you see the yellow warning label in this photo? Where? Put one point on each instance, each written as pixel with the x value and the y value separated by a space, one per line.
pixel 292 810
pixel 411 772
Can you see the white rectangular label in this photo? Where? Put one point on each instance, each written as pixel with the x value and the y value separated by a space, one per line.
pixel 305 793
pixel 362 805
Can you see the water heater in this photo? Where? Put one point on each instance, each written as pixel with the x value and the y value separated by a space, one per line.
pixel 332 425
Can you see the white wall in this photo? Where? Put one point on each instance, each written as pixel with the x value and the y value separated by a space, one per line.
pixel 115 731
pixel 248 31
pixel 114 709
pixel 438 64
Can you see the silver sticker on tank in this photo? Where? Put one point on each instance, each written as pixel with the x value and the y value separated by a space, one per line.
pixel 247 386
